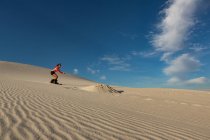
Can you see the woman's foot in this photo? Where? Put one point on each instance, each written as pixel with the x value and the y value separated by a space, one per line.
pixel 56 81
pixel 52 81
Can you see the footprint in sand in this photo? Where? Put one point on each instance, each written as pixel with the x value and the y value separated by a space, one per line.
pixel 171 102
pixel 196 105
pixel 183 103
pixel 72 88
pixel 148 99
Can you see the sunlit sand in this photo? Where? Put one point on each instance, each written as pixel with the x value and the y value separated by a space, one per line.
pixel 32 109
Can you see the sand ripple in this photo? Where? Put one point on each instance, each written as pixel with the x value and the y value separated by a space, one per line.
pixel 31 113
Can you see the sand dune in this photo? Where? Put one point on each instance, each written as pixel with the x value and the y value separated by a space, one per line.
pixel 34 109
pixel 101 88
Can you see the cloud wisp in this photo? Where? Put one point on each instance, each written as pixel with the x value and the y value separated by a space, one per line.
pixel 96 73
pixel 198 48
pixel 175 28
pixel 93 71
pixel 175 25
pixel 103 77
pixel 116 63
pixel 182 65
pixel 199 80
pixel 144 54
pixel 75 71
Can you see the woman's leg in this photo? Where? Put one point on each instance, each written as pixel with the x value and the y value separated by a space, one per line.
pixel 55 76
pixel 55 80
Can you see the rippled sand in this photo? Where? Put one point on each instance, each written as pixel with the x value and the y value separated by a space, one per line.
pixel 33 109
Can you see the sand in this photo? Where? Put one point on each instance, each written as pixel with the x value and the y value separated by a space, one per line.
pixel 34 109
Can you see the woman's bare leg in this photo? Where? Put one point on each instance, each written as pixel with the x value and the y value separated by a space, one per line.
pixel 55 76
pixel 55 79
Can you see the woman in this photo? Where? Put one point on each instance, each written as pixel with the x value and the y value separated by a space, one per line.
pixel 53 73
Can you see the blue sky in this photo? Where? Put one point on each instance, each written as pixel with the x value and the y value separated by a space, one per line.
pixel 132 43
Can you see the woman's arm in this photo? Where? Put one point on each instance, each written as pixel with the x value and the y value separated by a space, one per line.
pixel 60 71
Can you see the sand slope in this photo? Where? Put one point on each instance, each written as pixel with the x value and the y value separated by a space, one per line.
pixel 33 109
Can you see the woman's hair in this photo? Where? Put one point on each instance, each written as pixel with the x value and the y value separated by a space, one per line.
pixel 58 65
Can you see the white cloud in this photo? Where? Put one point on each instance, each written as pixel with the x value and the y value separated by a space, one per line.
pixel 117 63
pixel 195 81
pixel 124 67
pixel 175 28
pixel 112 59
pixel 75 71
pixel 182 65
pixel 144 53
pixel 196 47
pixel 92 71
pixel 175 25
pixel 103 77
pixel 166 57
pixel 175 80
pixel 199 80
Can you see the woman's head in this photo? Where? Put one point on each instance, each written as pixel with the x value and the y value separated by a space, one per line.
pixel 58 65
